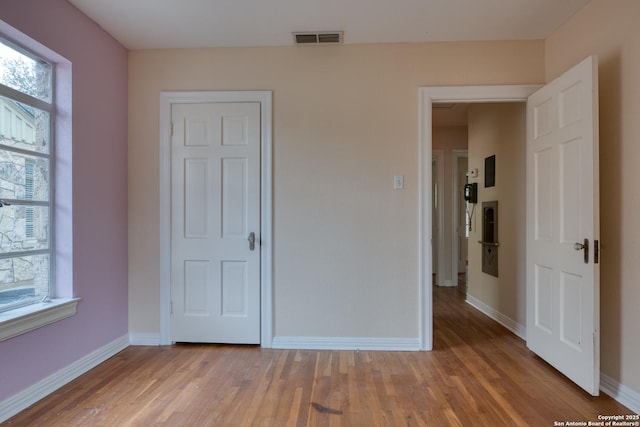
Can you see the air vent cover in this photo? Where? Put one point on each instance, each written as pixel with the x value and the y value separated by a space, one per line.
pixel 322 37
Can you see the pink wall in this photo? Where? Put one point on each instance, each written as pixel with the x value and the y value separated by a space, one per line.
pixel 99 106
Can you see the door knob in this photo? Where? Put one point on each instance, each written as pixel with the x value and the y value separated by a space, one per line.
pixel 584 246
pixel 252 241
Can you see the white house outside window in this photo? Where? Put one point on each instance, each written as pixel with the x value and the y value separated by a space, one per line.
pixel 26 174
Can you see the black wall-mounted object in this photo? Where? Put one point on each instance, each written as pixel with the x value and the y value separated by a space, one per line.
pixel 490 171
pixel 471 192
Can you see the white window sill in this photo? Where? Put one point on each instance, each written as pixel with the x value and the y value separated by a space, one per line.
pixel 25 319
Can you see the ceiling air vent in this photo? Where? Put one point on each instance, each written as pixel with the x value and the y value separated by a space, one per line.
pixel 324 37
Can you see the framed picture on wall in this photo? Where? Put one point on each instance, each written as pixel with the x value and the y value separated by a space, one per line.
pixel 490 171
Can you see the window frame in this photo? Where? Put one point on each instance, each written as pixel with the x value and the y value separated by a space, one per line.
pixel 48 107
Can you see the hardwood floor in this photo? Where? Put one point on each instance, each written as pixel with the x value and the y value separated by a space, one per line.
pixel 479 374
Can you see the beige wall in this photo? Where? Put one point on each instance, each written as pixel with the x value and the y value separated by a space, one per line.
pixel 500 130
pixel 447 139
pixel 609 29
pixel 345 122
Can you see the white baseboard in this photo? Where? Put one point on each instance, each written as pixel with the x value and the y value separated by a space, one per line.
pixel 335 343
pixel 144 339
pixel 41 389
pixel 621 393
pixel 507 322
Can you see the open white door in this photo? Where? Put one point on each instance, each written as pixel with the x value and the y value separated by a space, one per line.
pixel 563 289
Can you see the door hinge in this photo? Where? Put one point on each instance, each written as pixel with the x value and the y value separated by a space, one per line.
pixel 596 252
pixel 171 129
pixel 171 307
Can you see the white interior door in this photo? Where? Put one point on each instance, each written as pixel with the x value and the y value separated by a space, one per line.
pixel 562 214
pixel 215 208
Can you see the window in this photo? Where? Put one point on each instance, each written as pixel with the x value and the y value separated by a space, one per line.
pixel 35 104
pixel 26 174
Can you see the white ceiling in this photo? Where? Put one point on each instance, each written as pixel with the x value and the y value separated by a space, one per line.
pixel 152 24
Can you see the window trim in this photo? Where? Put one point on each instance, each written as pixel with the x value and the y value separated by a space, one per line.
pixel 50 108
pixel 27 318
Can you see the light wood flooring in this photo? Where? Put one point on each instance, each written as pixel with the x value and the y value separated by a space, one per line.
pixel 479 374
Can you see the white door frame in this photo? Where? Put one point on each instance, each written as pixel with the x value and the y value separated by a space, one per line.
pixel 427 96
pixel 455 247
pixel 266 191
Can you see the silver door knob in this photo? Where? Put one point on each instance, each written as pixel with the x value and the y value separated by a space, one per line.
pixel 584 246
pixel 252 241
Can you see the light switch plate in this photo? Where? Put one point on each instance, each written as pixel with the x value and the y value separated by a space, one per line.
pixel 398 182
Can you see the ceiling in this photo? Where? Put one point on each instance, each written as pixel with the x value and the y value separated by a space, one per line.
pixel 155 24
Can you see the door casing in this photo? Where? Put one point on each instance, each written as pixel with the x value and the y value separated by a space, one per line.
pixel 427 96
pixel 266 201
